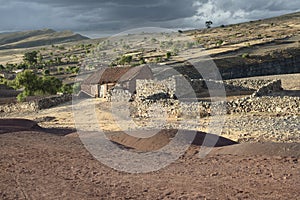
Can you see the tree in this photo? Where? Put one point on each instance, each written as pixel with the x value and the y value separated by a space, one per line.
pixel 30 57
pixel 208 24
pixel 51 85
pixel 22 66
pixel 29 81
pixel 34 85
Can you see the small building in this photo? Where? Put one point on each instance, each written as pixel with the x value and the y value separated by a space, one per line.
pixel 102 81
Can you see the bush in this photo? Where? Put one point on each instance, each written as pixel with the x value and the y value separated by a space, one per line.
pixel 142 61
pixel 245 55
pixel 76 88
pixel 125 60
pixel 60 69
pixel 47 72
pixel 168 55
pixel 76 70
pixel 219 42
pixel 21 97
pixel 66 89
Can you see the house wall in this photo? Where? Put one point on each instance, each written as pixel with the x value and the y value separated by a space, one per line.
pixel 87 88
pixel 104 89
pixel 144 74
pixel 95 90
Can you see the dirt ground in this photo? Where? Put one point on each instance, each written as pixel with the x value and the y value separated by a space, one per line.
pixel 39 164
pixel 48 161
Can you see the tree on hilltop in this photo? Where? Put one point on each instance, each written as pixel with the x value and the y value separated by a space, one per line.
pixel 208 24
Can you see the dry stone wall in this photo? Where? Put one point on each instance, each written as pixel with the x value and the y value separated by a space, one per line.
pixel 119 95
pixel 258 102
pixel 35 105
pixel 273 86
pixel 148 88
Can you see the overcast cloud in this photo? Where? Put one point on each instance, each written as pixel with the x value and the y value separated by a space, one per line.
pixel 113 16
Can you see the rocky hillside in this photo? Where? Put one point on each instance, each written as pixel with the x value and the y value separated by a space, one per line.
pixel 262 47
pixel 35 38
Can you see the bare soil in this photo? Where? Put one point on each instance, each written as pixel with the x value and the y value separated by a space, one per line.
pixel 46 164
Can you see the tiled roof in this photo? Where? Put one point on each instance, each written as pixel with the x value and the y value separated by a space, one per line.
pixel 113 75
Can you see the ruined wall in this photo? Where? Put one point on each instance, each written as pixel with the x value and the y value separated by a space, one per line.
pixel 257 102
pixel 35 105
pixel 148 88
pixel 119 95
pixel 268 88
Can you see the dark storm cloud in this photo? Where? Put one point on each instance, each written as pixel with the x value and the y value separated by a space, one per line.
pixel 116 15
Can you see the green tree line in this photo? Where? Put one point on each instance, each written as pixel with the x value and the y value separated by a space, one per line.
pixel 34 85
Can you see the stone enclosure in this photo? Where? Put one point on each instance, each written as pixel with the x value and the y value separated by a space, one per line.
pixel 152 97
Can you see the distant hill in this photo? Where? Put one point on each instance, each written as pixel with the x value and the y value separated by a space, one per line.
pixel 35 38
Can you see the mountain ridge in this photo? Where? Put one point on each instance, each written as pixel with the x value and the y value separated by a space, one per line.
pixel 33 38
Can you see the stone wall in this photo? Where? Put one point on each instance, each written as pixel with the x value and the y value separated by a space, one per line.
pixel 174 108
pixel 257 102
pixel 269 104
pixel 119 95
pixel 49 102
pixel 35 105
pixel 148 88
pixel 273 86
pixel 179 85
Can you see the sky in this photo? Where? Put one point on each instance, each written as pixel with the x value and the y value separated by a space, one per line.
pixel 104 17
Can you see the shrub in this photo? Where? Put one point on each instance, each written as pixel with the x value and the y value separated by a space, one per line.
pixel 21 97
pixel 76 88
pixel 60 69
pixel 168 55
pixel 219 42
pixel 66 89
pixel 245 55
pixel 46 72
pixel 142 61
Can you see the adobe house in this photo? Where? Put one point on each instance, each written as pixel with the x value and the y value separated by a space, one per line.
pixel 102 81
